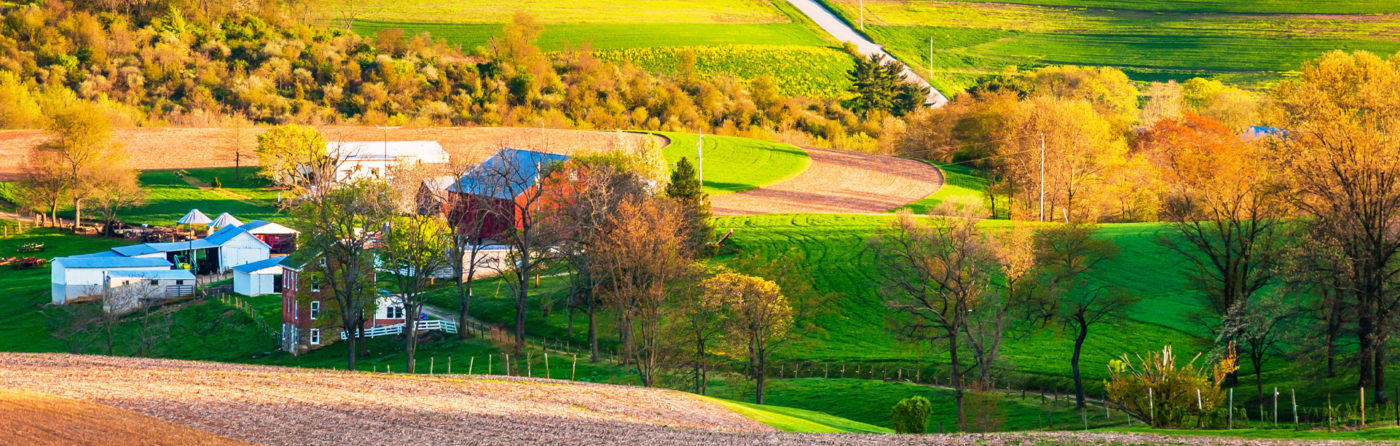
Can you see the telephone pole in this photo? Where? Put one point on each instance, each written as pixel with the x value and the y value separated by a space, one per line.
pixel 930 58
pixel 862 15
pixel 700 157
pixel 1042 177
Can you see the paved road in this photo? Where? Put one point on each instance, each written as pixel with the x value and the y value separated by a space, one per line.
pixel 838 29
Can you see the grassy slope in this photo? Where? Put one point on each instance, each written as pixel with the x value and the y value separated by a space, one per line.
pixel 798 420
pixel 734 164
pixel 1151 41
pixel 1238 6
pixel 25 292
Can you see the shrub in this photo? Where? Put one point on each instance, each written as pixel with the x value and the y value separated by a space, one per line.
pixel 910 415
pixel 1158 391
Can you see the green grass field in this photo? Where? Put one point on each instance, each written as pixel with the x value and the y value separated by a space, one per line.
pixel 780 42
pixel 1151 41
pixel 555 12
pixel 734 164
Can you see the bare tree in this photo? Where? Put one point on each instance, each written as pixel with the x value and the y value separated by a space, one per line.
pixel 343 223
pixel 988 323
pixel 641 251
pixel 524 196
pixel 759 320
pixel 467 218
pixel 1255 327
pixel 81 144
pixel 114 188
pixel 238 136
pixel 699 320
pixel 935 273
pixel 1068 253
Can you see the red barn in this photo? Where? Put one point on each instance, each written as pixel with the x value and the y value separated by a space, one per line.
pixel 503 187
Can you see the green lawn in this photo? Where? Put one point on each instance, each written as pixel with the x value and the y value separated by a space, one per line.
pixel 958 181
pixel 169 197
pixel 1151 41
pixel 734 164
pixel 810 71
pixel 790 419
pixel 614 36
pixel 25 292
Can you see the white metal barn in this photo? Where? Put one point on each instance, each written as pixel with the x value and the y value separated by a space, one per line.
pixel 126 290
pixel 232 246
pixel 258 278
pixel 85 276
pixel 373 159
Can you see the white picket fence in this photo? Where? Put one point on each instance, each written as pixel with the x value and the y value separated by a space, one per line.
pixel 432 324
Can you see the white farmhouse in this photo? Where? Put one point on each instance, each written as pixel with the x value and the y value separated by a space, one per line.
pixel 86 275
pixel 258 278
pixel 373 159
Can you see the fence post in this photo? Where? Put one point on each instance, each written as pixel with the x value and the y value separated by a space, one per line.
pixel 574 370
pixel 507 363
pixel 546 365
pixel 529 364
pixel 1293 394
pixel 449 364
pixel 1363 406
pixel 1231 423
pixel 1151 408
pixel 1276 407
pixel 431 362
pixel 488 363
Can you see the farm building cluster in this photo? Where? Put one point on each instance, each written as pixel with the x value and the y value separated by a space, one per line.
pixel 261 257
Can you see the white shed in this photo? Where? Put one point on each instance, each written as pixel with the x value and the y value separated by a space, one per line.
pixel 84 276
pixel 238 247
pixel 126 290
pixel 258 278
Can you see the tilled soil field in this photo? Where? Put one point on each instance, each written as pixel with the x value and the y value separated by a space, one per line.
pixel 838 181
pixel 282 406
pixel 191 148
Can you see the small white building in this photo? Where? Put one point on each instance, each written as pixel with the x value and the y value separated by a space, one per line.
pixel 373 159
pixel 258 278
pixel 490 260
pixel 86 275
pixel 126 291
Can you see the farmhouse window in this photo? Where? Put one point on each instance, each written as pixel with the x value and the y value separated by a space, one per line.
pixel 315 310
pixel 315 336
pixel 155 281
pixel 321 261
pixel 393 313
pixel 179 282
pixel 315 285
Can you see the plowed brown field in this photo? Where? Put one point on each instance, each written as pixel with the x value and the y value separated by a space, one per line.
pixel 283 406
pixel 189 148
pixel 838 181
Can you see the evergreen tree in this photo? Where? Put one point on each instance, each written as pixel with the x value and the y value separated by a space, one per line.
pixel 686 190
pixel 880 85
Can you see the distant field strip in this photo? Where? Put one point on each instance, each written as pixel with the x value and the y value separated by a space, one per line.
pixel 613 36
pixel 734 164
pixel 971 39
pixel 815 72
pixel 1237 6
pixel 556 11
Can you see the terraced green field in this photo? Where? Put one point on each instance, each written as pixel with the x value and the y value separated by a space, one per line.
pixel 814 72
pixel 1240 42
pixel 734 164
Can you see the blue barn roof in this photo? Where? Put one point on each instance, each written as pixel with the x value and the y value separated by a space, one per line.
pixel 519 170
pixel 111 262
pixel 250 267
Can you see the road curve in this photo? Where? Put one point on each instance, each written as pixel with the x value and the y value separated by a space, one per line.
pixel 837 28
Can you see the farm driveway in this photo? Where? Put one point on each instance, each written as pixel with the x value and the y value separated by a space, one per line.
pixel 838 181
pixel 842 32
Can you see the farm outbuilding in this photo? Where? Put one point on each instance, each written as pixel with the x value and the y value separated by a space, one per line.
pixel 125 291
pixel 258 278
pixel 282 239
pixel 226 248
pixel 373 159
pixel 86 276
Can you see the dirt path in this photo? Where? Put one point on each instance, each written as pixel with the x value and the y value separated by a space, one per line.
pixel 838 181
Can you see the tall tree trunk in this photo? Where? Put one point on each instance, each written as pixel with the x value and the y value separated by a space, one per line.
pixel 1364 333
pixel 760 378
pixel 1379 386
pixel 592 336
pixel 77 213
pixel 464 304
pixel 1074 365
pixel 520 312
pixel 350 351
pixel 411 342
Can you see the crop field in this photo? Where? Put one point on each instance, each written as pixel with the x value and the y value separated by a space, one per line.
pixel 154 148
pixel 1235 6
pixel 779 42
pixel 810 71
pixel 1150 41
pixel 35 418
pixel 555 11
pixel 838 181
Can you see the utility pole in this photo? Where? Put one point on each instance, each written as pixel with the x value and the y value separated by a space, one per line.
pixel 1042 177
pixel 700 158
pixel 930 58
pixel 862 15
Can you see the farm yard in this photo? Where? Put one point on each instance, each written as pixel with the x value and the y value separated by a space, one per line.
pixel 719 226
pixel 1236 42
